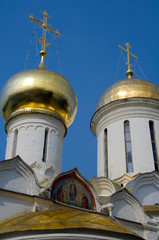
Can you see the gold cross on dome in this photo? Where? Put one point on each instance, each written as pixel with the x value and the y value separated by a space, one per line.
pixel 43 40
pixel 129 72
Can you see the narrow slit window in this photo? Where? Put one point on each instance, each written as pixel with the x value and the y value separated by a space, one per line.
pixel 153 142
pixel 45 146
pixel 14 147
pixel 128 150
pixel 105 153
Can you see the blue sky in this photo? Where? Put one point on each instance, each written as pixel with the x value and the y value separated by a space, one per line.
pixel 89 56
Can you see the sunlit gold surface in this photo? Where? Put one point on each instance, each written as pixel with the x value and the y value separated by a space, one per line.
pixel 128 88
pixel 41 89
pixel 62 218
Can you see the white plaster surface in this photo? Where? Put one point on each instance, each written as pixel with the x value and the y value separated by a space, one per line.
pixel 103 186
pixel 10 207
pixel 16 176
pixel 145 188
pixel 138 112
pixel 30 142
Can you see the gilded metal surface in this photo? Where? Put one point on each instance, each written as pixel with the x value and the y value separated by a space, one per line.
pixel 63 218
pixel 129 72
pixel 39 89
pixel 128 88
pixel 151 208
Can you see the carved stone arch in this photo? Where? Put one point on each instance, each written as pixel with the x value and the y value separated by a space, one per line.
pixel 21 127
pixel 58 134
pixel 9 133
pixel 39 126
pixel 104 186
pixel 73 189
pixel 53 130
pixel 30 126
pixel 145 188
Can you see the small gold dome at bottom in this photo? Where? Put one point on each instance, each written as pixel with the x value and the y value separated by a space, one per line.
pixel 39 89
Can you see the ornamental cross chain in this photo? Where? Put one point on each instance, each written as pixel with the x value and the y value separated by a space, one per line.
pixel 129 73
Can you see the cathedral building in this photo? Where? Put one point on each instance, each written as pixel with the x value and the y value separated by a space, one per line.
pixel 37 200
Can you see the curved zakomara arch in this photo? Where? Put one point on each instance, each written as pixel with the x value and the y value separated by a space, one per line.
pixel 129 199
pixel 145 179
pixel 105 185
pixel 74 174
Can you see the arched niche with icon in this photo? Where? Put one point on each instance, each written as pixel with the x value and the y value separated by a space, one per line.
pixel 73 189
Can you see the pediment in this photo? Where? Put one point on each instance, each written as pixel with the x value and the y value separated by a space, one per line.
pixel 73 189
pixel 145 188
pixel 126 206
pixel 16 175
pixel 125 178
pixel 104 186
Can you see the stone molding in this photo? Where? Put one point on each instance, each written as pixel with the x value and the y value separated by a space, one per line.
pixel 22 170
pixel 103 184
pixel 125 178
pixel 19 123
pixel 130 200
pixel 149 179
pixel 125 108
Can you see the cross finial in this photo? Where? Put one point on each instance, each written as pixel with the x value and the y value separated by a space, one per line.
pixel 129 72
pixel 43 40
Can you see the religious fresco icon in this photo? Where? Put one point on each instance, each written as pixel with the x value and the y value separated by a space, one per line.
pixel 72 190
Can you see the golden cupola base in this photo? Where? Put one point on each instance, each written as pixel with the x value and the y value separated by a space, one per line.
pixel 38 91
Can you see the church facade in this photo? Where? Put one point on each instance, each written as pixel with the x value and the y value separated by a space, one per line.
pixel 37 200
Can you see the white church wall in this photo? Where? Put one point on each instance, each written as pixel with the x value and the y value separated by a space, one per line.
pixel 145 188
pixel 126 207
pixel 141 145
pixel 10 206
pixel 31 148
pixel 148 195
pixel 9 149
pixel 100 155
pixel 116 150
pixel 104 186
pixel 16 176
pixel 138 112
pixel 30 141
pixel 13 204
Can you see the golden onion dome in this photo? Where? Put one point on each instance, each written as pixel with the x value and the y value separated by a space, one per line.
pixel 128 88
pixel 39 89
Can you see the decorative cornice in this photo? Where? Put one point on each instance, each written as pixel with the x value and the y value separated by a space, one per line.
pixel 142 180
pixel 118 109
pixel 129 199
pixel 23 170
pixel 37 111
pixel 104 184
pixel 125 178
